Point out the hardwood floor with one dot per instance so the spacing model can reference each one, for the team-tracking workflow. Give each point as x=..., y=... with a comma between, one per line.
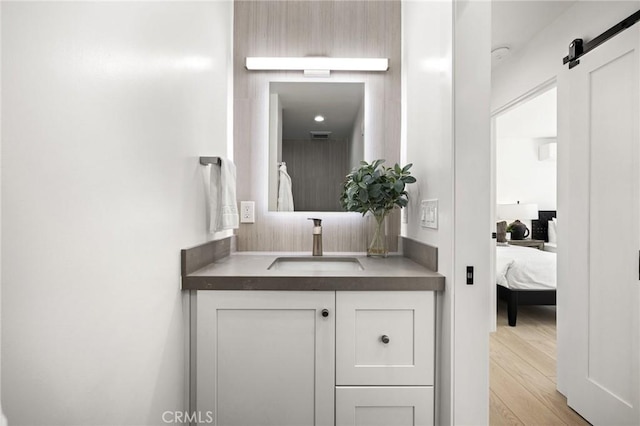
x=523, y=371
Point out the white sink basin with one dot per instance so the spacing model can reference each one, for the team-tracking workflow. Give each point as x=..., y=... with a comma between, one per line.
x=316, y=264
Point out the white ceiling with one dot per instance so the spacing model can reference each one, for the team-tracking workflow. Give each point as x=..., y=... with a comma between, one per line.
x=515, y=22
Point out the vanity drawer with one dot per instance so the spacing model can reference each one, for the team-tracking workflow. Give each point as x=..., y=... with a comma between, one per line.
x=384, y=406
x=385, y=338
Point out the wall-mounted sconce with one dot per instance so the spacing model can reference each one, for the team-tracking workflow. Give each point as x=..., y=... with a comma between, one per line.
x=316, y=65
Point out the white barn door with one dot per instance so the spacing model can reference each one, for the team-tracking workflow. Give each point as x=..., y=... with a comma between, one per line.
x=603, y=233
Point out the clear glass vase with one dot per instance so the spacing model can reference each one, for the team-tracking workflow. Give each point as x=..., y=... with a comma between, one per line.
x=378, y=245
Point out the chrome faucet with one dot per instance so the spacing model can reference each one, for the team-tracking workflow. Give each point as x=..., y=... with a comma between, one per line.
x=317, y=236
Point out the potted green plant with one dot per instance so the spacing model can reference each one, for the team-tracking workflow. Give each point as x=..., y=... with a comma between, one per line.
x=377, y=189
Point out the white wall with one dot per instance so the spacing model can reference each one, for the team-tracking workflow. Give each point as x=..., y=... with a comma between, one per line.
x=539, y=62
x=521, y=176
x=427, y=118
x=427, y=143
x=446, y=134
x=520, y=132
x=472, y=230
x=106, y=108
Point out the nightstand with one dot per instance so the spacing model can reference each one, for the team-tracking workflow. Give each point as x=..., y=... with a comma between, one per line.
x=539, y=244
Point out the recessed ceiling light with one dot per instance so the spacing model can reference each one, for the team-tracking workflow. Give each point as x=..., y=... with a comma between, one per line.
x=319, y=118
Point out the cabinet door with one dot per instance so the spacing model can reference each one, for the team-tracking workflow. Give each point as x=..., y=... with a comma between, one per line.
x=384, y=406
x=385, y=338
x=265, y=358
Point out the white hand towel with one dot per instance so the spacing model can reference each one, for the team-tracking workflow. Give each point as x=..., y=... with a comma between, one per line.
x=213, y=189
x=230, y=218
x=223, y=207
x=285, y=196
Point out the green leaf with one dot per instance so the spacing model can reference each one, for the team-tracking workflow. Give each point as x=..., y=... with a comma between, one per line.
x=375, y=188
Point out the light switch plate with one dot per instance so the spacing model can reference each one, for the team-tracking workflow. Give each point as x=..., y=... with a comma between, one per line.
x=247, y=211
x=429, y=214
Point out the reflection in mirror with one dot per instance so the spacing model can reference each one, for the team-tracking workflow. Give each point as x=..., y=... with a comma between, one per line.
x=317, y=131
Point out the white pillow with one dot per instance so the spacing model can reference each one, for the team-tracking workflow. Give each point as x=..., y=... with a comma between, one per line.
x=551, y=231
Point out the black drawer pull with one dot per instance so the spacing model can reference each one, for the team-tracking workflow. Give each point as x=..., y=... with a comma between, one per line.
x=385, y=339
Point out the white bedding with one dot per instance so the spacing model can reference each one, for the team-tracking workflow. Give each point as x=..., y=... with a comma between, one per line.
x=525, y=268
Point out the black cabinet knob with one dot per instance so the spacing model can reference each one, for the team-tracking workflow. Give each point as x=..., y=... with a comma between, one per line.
x=325, y=313
x=385, y=339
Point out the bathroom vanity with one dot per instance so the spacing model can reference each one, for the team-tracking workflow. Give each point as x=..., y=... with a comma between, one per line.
x=279, y=340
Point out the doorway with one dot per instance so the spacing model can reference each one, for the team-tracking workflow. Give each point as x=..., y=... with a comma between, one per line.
x=597, y=297
x=524, y=170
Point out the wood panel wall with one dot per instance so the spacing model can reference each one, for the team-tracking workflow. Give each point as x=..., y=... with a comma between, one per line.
x=318, y=28
x=317, y=170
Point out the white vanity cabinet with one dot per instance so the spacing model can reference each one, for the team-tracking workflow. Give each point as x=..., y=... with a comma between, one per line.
x=286, y=357
x=385, y=349
x=265, y=357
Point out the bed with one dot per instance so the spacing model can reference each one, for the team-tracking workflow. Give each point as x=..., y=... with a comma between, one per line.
x=525, y=275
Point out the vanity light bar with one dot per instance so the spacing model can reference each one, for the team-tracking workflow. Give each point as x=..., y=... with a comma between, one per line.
x=317, y=63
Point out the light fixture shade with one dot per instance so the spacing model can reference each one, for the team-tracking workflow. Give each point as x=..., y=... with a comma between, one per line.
x=316, y=63
x=517, y=211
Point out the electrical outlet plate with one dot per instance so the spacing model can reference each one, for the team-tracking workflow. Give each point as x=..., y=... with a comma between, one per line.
x=247, y=212
x=429, y=214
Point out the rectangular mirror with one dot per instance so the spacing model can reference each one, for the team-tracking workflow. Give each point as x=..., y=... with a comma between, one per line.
x=316, y=136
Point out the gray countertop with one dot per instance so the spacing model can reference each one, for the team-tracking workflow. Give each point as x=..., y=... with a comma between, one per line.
x=249, y=271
